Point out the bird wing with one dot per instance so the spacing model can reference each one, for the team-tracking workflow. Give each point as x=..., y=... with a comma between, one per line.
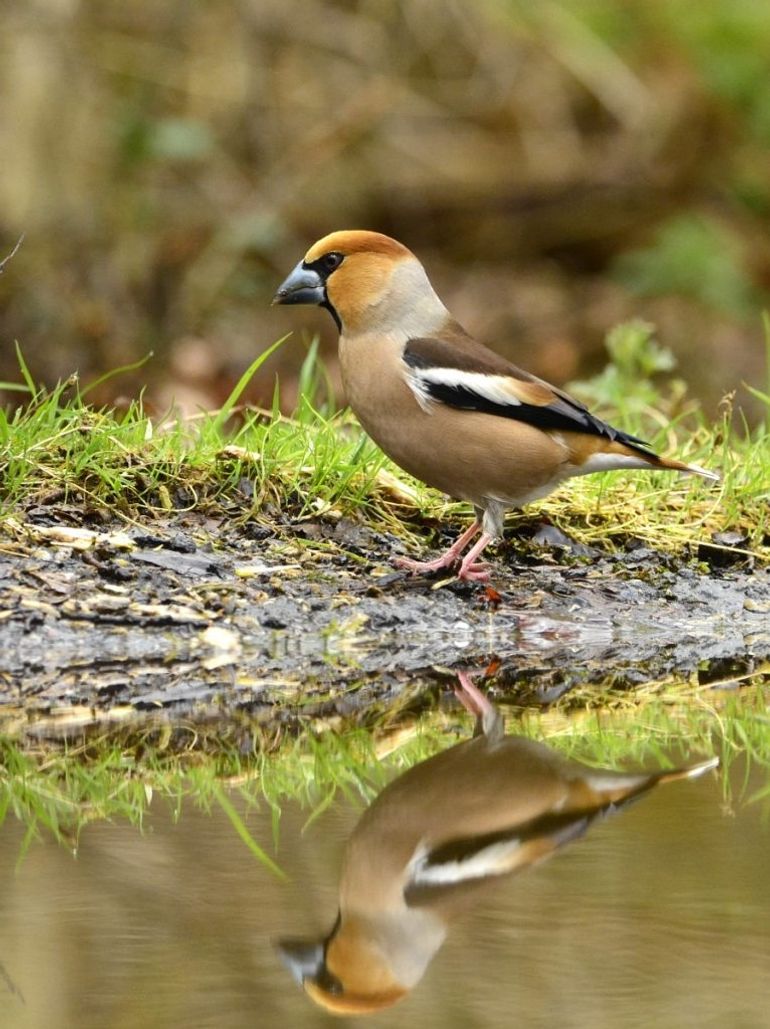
x=463, y=861
x=462, y=373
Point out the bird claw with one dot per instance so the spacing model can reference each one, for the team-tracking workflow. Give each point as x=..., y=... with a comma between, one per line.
x=477, y=571
x=423, y=567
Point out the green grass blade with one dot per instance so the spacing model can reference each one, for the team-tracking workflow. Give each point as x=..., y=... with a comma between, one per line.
x=225, y=411
x=240, y=827
x=115, y=372
x=25, y=371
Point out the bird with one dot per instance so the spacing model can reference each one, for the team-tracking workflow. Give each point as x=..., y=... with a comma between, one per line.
x=439, y=835
x=441, y=405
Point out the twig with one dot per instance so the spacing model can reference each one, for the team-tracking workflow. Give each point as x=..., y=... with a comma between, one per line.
x=13, y=253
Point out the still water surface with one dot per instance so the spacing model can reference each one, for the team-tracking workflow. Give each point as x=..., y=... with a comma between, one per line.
x=658, y=917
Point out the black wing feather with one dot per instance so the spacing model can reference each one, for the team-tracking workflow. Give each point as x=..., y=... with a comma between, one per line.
x=565, y=414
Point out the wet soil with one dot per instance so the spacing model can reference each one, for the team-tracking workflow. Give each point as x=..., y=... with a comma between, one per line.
x=200, y=615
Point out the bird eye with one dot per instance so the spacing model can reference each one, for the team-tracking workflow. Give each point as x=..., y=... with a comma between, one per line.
x=330, y=984
x=332, y=261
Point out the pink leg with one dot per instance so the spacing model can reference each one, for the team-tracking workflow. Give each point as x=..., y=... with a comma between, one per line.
x=471, y=568
x=470, y=696
x=489, y=721
x=447, y=560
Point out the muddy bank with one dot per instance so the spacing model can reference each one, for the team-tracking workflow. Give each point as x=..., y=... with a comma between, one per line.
x=194, y=615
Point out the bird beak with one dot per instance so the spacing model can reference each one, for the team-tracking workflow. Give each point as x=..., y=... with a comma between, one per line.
x=303, y=286
x=304, y=960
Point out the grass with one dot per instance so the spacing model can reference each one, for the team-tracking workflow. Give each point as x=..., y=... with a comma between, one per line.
x=59, y=790
x=56, y=448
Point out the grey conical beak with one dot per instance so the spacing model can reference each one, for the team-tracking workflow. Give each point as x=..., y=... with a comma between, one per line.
x=304, y=959
x=303, y=286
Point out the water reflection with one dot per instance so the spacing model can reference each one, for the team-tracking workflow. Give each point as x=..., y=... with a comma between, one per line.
x=437, y=836
x=658, y=918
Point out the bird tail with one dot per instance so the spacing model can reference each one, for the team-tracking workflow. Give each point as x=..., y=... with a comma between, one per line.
x=620, y=788
x=636, y=451
x=688, y=771
x=597, y=454
x=680, y=466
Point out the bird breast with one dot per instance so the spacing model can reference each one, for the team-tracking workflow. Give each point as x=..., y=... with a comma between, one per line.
x=466, y=454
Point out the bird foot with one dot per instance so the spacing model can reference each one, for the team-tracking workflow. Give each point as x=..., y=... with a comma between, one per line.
x=474, y=571
x=471, y=571
x=425, y=567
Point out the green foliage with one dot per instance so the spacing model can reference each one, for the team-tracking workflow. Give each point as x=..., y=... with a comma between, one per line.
x=59, y=791
x=728, y=42
x=764, y=397
x=696, y=257
x=627, y=382
x=226, y=410
x=631, y=391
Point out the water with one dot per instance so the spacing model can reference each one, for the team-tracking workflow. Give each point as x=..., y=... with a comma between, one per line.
x=659, y=916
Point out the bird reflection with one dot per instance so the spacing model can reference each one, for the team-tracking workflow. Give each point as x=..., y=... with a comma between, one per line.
x=437, y=836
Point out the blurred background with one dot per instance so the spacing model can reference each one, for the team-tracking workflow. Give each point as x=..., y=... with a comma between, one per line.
x=558, y=166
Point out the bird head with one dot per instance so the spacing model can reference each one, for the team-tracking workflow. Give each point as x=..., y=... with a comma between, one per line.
x=367, y=281
x=348, y=973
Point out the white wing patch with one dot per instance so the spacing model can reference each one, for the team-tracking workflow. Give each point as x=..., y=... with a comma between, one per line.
x=495, y=388
x=495, y=859
x=420, y=390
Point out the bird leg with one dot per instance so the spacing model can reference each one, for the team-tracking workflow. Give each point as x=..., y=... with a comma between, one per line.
x=447, y=559
x=470, y=696
x=489, y=721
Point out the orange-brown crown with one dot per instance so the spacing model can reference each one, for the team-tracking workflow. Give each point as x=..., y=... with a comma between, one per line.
x=359, y=287
x=357, y=241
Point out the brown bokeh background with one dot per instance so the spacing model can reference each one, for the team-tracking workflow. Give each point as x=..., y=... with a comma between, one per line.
x=559, y=167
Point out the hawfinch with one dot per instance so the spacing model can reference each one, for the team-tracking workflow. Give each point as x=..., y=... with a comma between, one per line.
x=434, y=838
x=441, y=405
